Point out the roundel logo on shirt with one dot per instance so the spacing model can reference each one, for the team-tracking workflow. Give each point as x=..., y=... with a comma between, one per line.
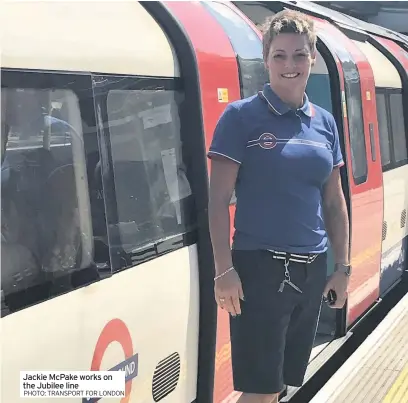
x=267, y=141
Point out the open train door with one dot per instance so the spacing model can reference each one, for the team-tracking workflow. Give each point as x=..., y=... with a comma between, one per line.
x=361, y=150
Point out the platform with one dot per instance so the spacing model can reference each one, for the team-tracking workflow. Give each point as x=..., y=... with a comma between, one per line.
x=377, y=372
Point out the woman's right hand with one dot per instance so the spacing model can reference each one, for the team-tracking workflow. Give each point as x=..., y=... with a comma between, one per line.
x=228, y=292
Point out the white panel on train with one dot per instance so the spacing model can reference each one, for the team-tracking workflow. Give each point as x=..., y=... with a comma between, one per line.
x=119, y=38
x=385, y=74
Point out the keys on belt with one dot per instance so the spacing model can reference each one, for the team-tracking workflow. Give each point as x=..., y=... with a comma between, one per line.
x=291, y=257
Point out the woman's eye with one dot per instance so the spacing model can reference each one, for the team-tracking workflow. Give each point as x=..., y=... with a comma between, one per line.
x=278, y=56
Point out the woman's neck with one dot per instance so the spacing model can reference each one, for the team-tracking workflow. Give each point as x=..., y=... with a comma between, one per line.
x=294, y=100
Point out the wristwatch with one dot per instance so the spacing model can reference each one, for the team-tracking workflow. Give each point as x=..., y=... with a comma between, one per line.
x=345, y=268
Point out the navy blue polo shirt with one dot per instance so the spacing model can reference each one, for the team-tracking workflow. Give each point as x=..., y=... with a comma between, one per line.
x=285, y=158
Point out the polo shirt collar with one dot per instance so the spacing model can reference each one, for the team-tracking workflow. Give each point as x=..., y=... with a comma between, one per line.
x=277, y=106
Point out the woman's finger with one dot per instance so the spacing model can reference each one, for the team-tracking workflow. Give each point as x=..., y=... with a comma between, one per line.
x=220, y=302
x=241, y=293
x=229, y=306
x=236, y=304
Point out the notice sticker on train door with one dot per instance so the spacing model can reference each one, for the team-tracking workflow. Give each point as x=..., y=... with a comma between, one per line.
x=222, y=94
x=368, y=95
x=158, y=115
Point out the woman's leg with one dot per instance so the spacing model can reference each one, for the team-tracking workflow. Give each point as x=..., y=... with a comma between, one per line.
x=258, y=334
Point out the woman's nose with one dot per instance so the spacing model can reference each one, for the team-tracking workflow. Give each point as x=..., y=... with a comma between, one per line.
x=290, y=63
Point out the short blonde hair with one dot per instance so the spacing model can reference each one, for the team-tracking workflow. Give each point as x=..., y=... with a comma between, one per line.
x=287, y=21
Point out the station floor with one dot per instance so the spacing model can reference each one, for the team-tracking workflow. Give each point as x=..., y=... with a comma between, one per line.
x=377, y=372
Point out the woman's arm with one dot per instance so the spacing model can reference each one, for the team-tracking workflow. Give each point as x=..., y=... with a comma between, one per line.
x=337, y=226
x=336, y=217
x=228, y=287
x=222, y=183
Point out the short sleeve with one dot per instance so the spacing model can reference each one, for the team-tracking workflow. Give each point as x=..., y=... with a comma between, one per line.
x=229, y=139
x=337, y=154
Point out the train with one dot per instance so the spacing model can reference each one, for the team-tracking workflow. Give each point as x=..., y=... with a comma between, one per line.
x=107, y=113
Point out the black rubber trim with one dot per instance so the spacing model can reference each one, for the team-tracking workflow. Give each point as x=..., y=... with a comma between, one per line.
x=194, y=125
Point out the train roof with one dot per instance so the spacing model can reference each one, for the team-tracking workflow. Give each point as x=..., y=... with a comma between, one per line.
x=80, y=37
x=385, y=73
x=340, y=19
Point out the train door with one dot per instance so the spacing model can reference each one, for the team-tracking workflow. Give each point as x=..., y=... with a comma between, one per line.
x=361, y=148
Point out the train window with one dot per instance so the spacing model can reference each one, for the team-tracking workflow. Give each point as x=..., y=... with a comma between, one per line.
x=352, y=99
x=385, y=145
x=247, y=46
x=356, y=123
x=46, y=230
x=153, y=194
x=398, y=128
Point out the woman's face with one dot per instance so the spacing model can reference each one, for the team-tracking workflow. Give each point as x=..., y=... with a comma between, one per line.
x=289, y=62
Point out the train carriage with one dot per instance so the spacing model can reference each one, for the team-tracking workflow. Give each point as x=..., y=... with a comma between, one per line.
x=106, y=255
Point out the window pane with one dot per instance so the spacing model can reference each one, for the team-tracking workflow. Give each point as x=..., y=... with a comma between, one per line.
x=398, y=129
x=154, y=198
x=247, y=46
x=383, y=130
x=356, y=124
x=46, y=231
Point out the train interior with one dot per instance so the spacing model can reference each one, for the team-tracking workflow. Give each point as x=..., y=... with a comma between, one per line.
x=45, y=206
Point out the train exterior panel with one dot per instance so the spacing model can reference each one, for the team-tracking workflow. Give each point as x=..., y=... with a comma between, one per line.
x=106, y=139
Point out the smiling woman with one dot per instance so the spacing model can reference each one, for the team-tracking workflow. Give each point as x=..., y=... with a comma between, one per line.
x=289, y=47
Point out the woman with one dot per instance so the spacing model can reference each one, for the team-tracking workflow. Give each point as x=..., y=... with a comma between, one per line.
x=282, y=156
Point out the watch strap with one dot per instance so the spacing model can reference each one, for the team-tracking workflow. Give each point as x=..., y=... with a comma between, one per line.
x=345, y=268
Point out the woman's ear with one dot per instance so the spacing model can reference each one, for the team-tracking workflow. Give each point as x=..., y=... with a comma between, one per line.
x=313, y=58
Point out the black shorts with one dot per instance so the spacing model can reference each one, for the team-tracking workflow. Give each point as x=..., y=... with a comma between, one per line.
x=272, y=339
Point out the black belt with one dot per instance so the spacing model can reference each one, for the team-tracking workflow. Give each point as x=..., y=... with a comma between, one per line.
x=294, y=257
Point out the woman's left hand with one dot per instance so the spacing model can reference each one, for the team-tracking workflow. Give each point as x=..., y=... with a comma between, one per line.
x=338, y=282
